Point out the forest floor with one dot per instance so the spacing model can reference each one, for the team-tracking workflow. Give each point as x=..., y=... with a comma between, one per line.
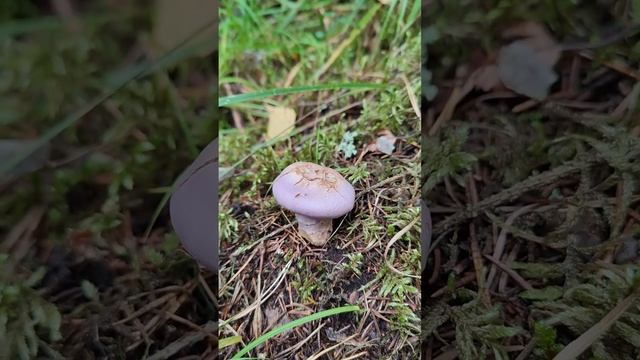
x=270, y=275
x=91, y=265
x=531, y=176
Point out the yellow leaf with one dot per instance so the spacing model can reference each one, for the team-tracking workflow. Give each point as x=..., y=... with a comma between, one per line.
x=175, y=21
x=281, y=121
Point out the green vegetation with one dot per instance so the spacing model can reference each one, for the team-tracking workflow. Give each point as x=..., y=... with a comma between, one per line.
x=27, y=321
x=546, y=190
x=325, y=51
x=118, y=121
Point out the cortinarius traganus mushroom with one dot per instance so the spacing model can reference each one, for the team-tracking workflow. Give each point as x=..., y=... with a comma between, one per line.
x=316, y=194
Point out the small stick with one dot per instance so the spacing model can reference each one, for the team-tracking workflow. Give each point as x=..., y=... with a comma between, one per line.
x=519, y=279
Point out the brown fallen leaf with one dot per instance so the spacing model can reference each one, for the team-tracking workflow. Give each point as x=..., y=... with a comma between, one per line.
x=487, y=77
x=523, y=73
x=175, y=21
x=272, y=315
x=353, y=297
x=281, y=121
x=537, y=37
x=526, y=65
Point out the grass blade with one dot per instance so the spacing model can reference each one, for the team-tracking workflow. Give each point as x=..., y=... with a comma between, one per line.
x=235, y=99
x=360, y=26
x=250, y=346
x=228, y=341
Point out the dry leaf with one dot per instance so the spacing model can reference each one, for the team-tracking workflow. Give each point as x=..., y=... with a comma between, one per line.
x=487, y=77
x=281, y=121
x=272, y=315
x=526, y=65
x=175, y=21
x=536, y=36
x=521, y=71
x=353, y=297
x=386, y=143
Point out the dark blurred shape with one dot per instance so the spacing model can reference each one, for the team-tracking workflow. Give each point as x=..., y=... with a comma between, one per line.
x=85, y=195
x=194, y=207
x=425, y=235
x=238, y=210
x=64, y=271
x=628, y=250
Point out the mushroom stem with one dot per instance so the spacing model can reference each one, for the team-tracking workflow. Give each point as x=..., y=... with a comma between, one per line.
x=317, y=231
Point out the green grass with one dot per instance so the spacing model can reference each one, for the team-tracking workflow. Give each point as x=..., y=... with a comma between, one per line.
x=235, y=99
x=290, y=325
x=24, y=315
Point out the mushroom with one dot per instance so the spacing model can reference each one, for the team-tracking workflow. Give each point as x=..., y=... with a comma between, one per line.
x=194, y=207
x=316, y=194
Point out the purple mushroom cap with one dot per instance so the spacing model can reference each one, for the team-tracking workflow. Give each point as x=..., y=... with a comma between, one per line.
x=194, y=207
x=314, y=191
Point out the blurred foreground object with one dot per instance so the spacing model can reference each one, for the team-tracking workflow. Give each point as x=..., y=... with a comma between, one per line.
x=426, y=233
x=194, y=207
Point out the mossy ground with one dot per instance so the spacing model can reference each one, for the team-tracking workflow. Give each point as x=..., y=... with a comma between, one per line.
x=534, y=207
